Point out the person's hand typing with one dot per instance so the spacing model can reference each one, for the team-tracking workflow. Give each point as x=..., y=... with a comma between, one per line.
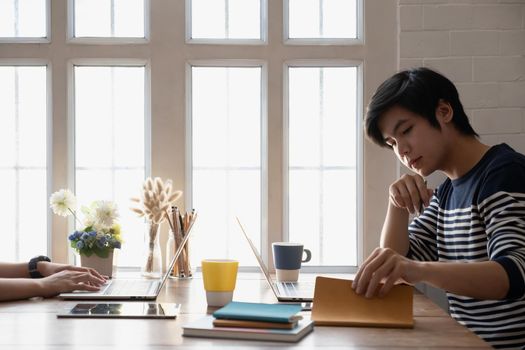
x=68, y=281
x=48, y=268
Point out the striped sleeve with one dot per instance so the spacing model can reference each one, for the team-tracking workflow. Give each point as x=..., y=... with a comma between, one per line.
x=504, y=217
x=422, y=234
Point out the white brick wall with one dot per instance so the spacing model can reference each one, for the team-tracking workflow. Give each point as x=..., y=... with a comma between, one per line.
x=480, y=46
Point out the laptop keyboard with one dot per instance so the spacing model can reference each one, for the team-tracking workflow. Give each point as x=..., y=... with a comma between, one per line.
x=294, y=288
x=129, y=287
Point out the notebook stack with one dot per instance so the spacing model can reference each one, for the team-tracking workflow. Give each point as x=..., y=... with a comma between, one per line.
x=239, y=320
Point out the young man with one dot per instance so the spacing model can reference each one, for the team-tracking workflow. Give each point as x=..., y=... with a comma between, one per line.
x=469, y=235
x=42, y=278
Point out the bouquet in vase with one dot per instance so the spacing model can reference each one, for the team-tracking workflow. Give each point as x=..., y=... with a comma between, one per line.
x=99, y=233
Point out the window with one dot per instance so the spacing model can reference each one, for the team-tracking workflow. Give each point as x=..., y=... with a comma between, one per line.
x=23, y=161
x=21, y=20
x=110, y=145
x=108, y=18
x=221, y=21
x=231, y=107
x=226, y=119
x=322, y=158
x=322, y=21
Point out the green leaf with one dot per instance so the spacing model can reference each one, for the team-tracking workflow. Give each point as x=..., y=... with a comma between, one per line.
x=101, y=252
x=86, y=252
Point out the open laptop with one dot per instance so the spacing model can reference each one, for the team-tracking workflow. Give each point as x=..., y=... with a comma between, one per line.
x=284, y=291
x=130, y=289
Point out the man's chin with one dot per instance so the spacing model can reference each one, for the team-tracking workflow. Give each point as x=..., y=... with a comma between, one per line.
x=422, y=172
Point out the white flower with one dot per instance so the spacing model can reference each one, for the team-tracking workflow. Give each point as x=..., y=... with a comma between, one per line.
x=63, y=202
x=89, y=218
x=104, y=214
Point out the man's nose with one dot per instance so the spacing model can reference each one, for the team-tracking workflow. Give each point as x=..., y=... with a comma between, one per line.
x=403, y=148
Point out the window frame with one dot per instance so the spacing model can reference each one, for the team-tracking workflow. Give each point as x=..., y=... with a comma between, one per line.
x=358, y=64
x=39, y=62
x=263, y=250
x=33, y=40
x=72, y=39
x=198, y=41
x=169, y=54
x=71, y=161
x=360, y=35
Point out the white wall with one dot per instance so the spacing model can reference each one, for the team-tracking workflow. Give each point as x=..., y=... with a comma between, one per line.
x=480, y=46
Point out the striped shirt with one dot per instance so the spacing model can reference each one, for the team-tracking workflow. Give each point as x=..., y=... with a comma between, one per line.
x=481, y=217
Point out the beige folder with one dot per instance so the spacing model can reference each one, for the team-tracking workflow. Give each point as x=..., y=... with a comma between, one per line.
x=336, y=304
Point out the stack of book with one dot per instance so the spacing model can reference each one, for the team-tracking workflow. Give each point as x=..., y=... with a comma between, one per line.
x=258, y=321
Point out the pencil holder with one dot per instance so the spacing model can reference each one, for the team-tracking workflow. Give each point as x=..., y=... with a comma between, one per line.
x=182, y=224
x=182, y=267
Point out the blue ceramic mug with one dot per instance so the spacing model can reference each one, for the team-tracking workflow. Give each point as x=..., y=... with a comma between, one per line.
x=287, y=259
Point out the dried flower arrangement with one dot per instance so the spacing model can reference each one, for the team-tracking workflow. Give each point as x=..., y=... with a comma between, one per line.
x=155, y=204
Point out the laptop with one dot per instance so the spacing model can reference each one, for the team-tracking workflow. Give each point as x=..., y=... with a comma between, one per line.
x=284, y=291
x=129, y=289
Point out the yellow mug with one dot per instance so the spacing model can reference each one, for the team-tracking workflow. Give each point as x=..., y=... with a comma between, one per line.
x=219, y=276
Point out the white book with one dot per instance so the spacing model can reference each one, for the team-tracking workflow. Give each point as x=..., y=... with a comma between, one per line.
x=204, y=328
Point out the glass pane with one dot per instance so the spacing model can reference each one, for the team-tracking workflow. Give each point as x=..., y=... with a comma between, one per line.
x=322, y=162
x=23, y=161
x=109, y=18
x=304, y=101
x=32, y=116
x=305, y=219
x=8, y=121
x=226, y=19
x=109, y=145
x=322, y=19
x=23, y=18
x=226, y=176
x=339, y=239
x=32, y=210
x=9, y=209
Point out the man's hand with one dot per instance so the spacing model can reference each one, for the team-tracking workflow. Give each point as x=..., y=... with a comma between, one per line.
x=387, y=266
x=48, y=268
x=410, y=192
x=68, y=281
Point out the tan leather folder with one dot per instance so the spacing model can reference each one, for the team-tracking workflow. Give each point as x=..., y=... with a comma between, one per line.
x=336, y=304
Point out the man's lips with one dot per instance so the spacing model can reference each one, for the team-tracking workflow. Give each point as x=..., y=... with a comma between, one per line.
x=413, y=162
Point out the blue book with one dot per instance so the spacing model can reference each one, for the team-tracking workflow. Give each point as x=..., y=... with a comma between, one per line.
x=282, y=313
x=204, y=328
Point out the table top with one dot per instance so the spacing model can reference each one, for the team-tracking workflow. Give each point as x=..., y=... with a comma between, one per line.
x=33, y=324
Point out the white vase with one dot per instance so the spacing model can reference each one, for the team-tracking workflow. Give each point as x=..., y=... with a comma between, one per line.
x=104, y=266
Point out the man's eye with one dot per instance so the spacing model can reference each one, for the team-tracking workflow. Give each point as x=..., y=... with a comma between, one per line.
x=407, y=130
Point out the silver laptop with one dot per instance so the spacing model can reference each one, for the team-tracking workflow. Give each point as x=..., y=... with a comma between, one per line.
x=130, y=289
x=284, y=291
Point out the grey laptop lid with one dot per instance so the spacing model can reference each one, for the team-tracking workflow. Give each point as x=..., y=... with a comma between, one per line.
x=132, y=289
x=297, y=292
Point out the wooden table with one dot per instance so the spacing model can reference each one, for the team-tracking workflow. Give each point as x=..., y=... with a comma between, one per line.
x=32, y=324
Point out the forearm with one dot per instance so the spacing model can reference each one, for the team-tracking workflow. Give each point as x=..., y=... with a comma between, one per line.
x=480, y=280
x=394, y=234
x=20, y=288
x=14, y=270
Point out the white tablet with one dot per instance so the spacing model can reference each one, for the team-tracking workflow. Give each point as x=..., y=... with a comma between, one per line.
x=122, y=310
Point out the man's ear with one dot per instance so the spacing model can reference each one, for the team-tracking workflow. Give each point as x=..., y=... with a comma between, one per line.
x=444, y=112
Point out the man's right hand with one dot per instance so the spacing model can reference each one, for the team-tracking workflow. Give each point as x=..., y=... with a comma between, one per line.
x=410, y=192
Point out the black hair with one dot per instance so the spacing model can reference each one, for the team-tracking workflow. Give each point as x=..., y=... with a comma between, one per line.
x=418, y=90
